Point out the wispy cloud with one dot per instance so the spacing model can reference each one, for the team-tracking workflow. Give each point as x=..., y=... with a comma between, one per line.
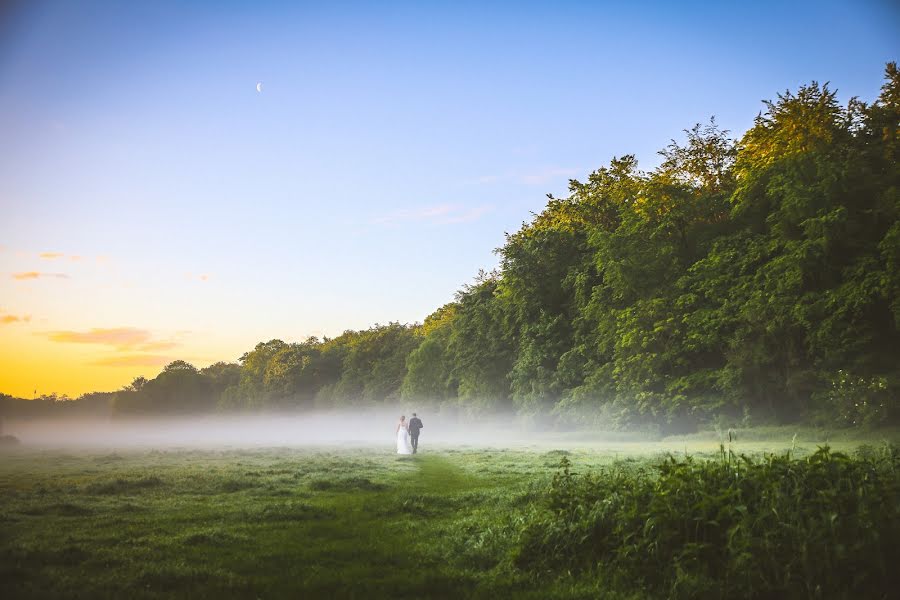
x=120, y=337
x=131, y=346
x=473, y=214
x=26, y=275
x=442, y=214
x=133, y=360
x=58, y=255
x=9, y=319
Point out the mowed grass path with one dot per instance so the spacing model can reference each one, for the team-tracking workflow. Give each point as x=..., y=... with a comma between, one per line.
x=351, y=523
x=382, y=542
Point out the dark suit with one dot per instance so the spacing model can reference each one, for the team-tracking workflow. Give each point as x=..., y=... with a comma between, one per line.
x=415, y=425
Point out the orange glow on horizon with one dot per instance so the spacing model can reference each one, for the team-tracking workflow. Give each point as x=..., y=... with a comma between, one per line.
x=34, y=364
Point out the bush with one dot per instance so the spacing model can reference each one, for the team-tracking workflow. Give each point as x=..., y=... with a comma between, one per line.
x=827, y=526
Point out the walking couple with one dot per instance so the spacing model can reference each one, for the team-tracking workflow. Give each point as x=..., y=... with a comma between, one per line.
x=408, y=434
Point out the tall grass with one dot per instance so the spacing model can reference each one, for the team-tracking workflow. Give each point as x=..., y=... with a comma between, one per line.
x=826, y=526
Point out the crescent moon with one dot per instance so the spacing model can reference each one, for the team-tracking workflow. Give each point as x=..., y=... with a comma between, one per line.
x=259, y=87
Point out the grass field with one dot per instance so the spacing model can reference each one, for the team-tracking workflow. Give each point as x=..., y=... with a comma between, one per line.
x=348, y=522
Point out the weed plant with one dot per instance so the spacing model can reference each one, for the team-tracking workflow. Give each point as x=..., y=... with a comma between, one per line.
x=825, y=526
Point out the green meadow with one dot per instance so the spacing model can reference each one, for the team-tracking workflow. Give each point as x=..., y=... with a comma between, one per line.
x=565, y=517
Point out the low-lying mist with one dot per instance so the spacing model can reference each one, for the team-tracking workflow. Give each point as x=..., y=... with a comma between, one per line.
x=367, y=427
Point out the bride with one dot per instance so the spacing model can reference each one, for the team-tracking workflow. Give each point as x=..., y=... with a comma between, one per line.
x=403, y=446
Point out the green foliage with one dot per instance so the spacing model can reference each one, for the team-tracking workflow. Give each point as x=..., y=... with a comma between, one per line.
x=358, y=367
x=480, y=347
x=373, y=365
x=179, y=389
x=737, y=277
x=429, y=367
x=737, y=527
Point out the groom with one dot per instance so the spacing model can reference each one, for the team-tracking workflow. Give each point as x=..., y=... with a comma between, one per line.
x=415, y=425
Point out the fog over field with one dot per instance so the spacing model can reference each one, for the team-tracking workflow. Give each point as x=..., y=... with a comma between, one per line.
x=368, y=427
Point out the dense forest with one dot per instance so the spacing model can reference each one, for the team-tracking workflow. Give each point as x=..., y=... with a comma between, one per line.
x=755, y=280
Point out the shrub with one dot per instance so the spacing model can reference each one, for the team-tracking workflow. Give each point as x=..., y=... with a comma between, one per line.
x=776, y=527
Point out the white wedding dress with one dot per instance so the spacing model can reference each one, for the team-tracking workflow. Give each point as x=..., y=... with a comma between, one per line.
x=403, y=445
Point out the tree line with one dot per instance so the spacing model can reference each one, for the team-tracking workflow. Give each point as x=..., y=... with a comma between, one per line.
x=752, y=279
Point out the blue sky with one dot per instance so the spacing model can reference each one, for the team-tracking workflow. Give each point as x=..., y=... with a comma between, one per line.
x=390, y=148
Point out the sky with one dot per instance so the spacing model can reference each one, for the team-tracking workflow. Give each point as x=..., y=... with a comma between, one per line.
x=155, y=206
